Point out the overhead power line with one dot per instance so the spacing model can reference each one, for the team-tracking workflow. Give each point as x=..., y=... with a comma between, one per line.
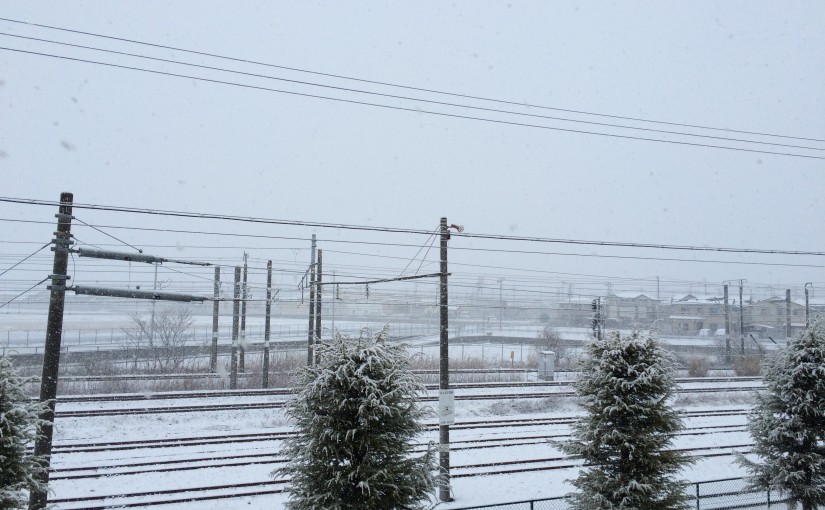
x=396, y=85
x=408, y=109
x=347, y=226
x=407, y=98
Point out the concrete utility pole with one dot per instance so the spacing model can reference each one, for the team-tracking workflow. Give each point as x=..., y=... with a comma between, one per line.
x=152, y=323
x=741, y=321
x=318, y=277
x=807, y=306
x=727, y=327
x=236, y=305
x=500, y=304
x=444, y=371
x=242, y=350
x=265, y=375
x=334, y=299
x=51, y=352
x=311, y=328
x=657, y=299
x=787, y=313
x=213, y=359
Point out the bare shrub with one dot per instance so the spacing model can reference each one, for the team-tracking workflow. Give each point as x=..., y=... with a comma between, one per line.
x=97, y=363
x=160, y=340
x=749, y=364
x=550, y=340
x=697, y=367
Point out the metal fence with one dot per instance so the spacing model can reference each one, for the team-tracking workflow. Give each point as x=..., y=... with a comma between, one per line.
x=725, y=494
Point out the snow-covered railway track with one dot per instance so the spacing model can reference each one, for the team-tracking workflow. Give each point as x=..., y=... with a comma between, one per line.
x=278, y=404
x=193, y=494
x=185, y=495
x=274, y=458
x=562, y=462
x=288, y=391
x=271, y=456
x=64, y=448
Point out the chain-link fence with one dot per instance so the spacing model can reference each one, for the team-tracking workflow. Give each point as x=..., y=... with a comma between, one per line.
x=726, y=494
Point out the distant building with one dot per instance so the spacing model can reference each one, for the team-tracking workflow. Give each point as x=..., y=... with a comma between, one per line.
x=576, y=312
x=689, y=314
x=629, y=308
x=770, y=315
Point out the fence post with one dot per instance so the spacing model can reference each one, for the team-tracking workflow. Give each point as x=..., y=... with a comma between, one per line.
x=769, y=496
x=697, y=496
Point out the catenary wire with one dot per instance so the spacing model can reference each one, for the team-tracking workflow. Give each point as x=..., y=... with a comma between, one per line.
x=473, y=249
x=345, y=226
x=261, y=270
x=407, y=87
x=407, y=98
x=408, y=109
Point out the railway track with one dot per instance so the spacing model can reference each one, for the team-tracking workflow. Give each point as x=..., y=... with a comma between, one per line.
x=266, y=487
x=61, y=448
x=278, y=404
x=273, y=457
x=289, y=391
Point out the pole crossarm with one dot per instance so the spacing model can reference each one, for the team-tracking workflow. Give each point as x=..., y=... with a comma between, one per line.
x=132, y=257
x=136, y=294
x=400, y=278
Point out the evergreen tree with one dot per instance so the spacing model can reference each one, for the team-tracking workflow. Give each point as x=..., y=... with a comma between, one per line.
x=788, y=422
x=357, y=417
x=626, y=433
x=19, y=421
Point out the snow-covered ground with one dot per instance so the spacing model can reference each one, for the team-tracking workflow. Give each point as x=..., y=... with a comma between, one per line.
x=222, y=425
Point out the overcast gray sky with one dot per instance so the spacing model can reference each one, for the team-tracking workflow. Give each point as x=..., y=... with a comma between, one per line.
x=122, y=137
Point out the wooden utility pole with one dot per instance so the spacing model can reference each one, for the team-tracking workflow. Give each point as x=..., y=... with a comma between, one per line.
x=265, y=375
x=444, y=370
x=242, y=350
x=318, y=277
x=236, y=305
x=213, y=359
x=311, y=328
x=51, y=352
x=727, y=327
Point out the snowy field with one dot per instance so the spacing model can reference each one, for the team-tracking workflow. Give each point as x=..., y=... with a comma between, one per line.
x=92, y=476
x=24, y=333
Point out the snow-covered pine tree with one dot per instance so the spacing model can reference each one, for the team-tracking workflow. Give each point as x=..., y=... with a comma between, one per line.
x=19, y=420
x=626, y=433
x=788, y=422
x=357, y=417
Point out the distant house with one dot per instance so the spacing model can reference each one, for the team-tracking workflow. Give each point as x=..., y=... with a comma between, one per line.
x=629, y=308
x=576, y=311
x=771, y=315
x=689, y=314
x=816, y=307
